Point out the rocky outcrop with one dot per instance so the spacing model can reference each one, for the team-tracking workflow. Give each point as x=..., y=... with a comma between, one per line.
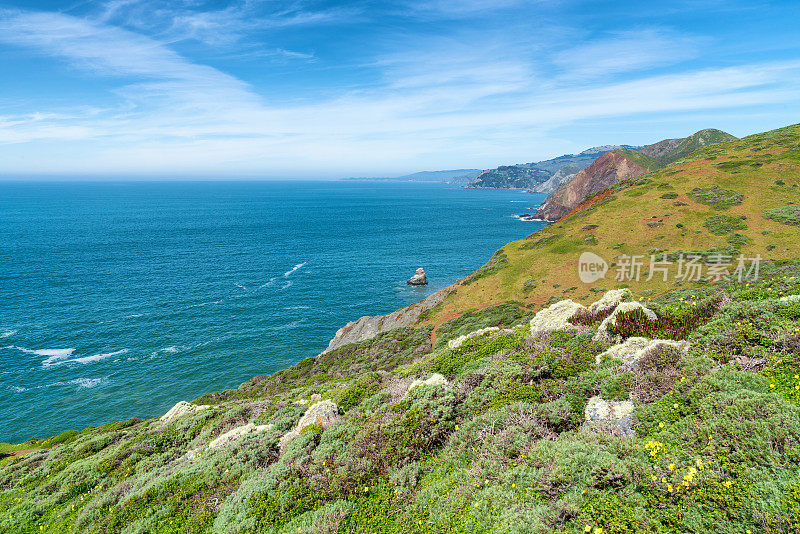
x=434, y=380
x=455, y=343
x=620, y=164
x=604, y=172
x=556, y=317
x=610, y=300
x=323, y=413
x=223, y=440
x=636, y=348
x=181, y=409
x=369, y=327
x=614, y=417
x=603, y=333
x=419, y=279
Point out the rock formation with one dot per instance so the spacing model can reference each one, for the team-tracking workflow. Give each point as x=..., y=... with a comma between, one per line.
x=368, y=327
x=323, y=413
x=636, y=348
x=232, y=435
x=610, y=416
x=604, y=172
x=603, y=333
x=181, y=409
x=556, y=317
x=419, y=279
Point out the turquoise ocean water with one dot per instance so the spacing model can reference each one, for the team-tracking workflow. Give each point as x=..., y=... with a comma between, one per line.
x=119, y=299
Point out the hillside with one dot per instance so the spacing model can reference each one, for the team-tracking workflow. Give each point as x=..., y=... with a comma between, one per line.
x=620, y=164
x=509, y=177
x=665, y=406
x=541, y=175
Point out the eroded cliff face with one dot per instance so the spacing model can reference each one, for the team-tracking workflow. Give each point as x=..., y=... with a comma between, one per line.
x=368, y=327
x=604, y=172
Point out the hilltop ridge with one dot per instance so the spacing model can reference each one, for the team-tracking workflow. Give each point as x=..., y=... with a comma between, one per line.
x=620, y=164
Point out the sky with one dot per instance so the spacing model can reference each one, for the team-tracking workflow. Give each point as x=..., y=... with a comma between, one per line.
x=301, y=89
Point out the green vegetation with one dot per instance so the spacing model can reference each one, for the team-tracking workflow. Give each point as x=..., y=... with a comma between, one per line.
x=786, y=215
x=724, y=224
x=716, y=197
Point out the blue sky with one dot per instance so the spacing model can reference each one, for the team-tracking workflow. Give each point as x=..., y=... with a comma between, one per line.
x=296, y=89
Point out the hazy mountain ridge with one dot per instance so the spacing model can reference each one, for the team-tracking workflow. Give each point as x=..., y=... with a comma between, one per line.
x=532, y=175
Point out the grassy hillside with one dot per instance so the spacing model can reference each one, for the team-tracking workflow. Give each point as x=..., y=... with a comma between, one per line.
x=498, y=439
x=656, y=213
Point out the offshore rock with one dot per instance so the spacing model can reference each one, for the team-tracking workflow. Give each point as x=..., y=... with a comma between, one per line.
x=419, y=279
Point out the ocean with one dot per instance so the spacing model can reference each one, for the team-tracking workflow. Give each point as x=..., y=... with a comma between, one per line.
x=119, y=299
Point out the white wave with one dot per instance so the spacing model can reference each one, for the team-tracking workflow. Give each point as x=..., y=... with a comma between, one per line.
x=172, y=349
x=80, y=382
x=52, y=355
x=268, y=283
x=87, y=382
x=289, y=326
x=95, y=357
x=18, y=389
x=287, y=285
x=8, y=333
x=240, y=286
x=293, y=269
x=297, y=308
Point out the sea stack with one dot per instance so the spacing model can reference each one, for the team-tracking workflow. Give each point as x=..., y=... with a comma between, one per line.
x=418, y=279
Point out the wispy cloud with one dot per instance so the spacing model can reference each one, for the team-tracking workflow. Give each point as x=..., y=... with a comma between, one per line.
x=472, y=99
x=626, y=51
x=227, y=26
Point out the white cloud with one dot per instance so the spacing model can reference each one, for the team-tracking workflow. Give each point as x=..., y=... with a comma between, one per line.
x=445, y=103
x=626, y=51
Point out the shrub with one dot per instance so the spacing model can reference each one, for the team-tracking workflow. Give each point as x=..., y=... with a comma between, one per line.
x=716, y=197
x=785, y=214
x=724, y=224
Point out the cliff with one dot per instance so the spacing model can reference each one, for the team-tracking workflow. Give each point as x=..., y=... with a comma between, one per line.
x=604, y=172
x=623, y=163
